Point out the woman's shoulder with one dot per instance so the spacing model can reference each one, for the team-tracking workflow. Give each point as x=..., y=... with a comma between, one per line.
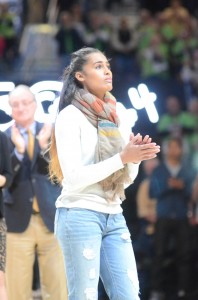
x=69, y=111
x=70, y=115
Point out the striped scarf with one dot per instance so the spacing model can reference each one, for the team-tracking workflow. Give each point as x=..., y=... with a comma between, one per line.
x=102, y=115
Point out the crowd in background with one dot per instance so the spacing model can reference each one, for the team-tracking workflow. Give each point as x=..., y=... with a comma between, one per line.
x=160, y=40
x=163, y=45
x=143, y=44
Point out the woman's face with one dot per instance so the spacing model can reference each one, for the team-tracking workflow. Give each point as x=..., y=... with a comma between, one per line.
x=96, y=76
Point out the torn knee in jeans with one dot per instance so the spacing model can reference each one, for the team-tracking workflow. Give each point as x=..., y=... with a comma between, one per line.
x=126, y=236
x=91, y=294
x=92, y=273
x=89, y=253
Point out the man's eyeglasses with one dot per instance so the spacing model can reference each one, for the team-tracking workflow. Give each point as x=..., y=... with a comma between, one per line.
x=16, y=105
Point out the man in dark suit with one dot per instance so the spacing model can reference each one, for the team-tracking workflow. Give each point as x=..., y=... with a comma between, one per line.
x=30, y=206
x=5, y=181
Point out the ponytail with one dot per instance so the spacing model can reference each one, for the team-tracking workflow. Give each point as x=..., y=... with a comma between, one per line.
x=67, y=94
x=68, y=89
x=70, y=85
x=55, y=172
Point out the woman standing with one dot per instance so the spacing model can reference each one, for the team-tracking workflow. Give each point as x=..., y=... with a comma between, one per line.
x=95, y=160
x=5, y=180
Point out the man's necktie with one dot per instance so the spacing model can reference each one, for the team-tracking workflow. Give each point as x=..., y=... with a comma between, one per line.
x=30, y=151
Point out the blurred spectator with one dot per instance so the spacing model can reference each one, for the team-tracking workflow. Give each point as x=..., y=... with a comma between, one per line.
x=30, y=206
x=77, y=12
x=193, y=110
x=165, y=29
x=68, y=38
x=5, y=181
x=146, y=29
x=174, y=24
x=177, y=16
x=146, y=207
x=8, y=34
x=180, y=50
x=146, y=212
x=36, y=11
x=189, y=74
x=154, y=58
x=176, y=122
x=171, y=184
x=97, y=32
x=123, y=43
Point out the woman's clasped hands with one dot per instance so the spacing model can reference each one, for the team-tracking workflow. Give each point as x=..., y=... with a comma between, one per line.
x=138, y=149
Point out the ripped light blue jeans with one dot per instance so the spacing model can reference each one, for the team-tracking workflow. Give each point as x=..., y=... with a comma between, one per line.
x=96, y=244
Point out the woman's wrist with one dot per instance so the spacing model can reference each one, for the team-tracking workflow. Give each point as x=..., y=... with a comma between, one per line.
x=123, y=159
